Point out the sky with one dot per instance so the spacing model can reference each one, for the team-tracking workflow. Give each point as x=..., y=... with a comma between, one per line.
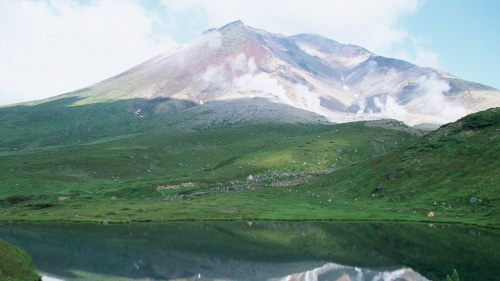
x=50, y=47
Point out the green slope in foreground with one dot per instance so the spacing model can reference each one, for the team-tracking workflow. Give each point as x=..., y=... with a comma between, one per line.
x=15, y=264
x=354, y=171
x=453, y=172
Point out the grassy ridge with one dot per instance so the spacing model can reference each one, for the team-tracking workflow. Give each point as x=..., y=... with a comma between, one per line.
x=453, y=172
x=63, y=122
x=15, y=264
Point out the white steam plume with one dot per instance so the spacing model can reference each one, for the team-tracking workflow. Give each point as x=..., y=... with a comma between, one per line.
x=435, y=101
x=362, y=106
x=390, y=108
x=308, y=100
x=211, y=73
x=263, y=85
x=240, y=74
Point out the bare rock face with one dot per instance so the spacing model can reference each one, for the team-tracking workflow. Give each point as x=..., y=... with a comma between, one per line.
x=308, y=72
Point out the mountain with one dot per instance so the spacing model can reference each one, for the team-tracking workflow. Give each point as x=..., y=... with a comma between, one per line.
x=237, y=74
x=246, y=113
x=237, y=125
x=236, y=63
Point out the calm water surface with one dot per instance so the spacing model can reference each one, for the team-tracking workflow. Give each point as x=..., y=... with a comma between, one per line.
x=259, y=251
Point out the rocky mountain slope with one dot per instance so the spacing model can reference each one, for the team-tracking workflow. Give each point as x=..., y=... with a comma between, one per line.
x=343, y=83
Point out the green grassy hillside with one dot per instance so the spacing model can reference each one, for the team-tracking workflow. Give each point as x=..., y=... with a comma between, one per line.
x=453, y=172
x=15, y=264
x=105, y=178
x=64, y=122
x=355, y=171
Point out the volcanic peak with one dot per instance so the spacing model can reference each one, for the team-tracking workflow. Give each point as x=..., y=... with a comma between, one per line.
x=341, y=82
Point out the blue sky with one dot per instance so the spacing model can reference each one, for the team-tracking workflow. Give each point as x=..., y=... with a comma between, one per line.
x=465, y=35
x=50, y=47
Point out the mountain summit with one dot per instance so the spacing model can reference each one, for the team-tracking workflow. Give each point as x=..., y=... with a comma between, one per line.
x=238, y=65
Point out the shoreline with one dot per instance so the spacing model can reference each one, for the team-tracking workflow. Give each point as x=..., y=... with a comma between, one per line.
x=7, y=223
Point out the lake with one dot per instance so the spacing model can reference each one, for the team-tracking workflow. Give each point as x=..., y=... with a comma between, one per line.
x=259, y=251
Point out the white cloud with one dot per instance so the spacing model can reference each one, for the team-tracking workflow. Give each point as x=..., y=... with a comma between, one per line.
x=415, y=52
x=371, y=24
x=374, y=25
x=52, y=48
x=425, y=57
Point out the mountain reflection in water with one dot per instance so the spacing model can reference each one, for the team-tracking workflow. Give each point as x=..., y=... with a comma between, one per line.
x=337, y=272
x=274, y=251
x=331, y=272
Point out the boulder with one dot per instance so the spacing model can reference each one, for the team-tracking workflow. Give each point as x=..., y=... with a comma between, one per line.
x=391, y=176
